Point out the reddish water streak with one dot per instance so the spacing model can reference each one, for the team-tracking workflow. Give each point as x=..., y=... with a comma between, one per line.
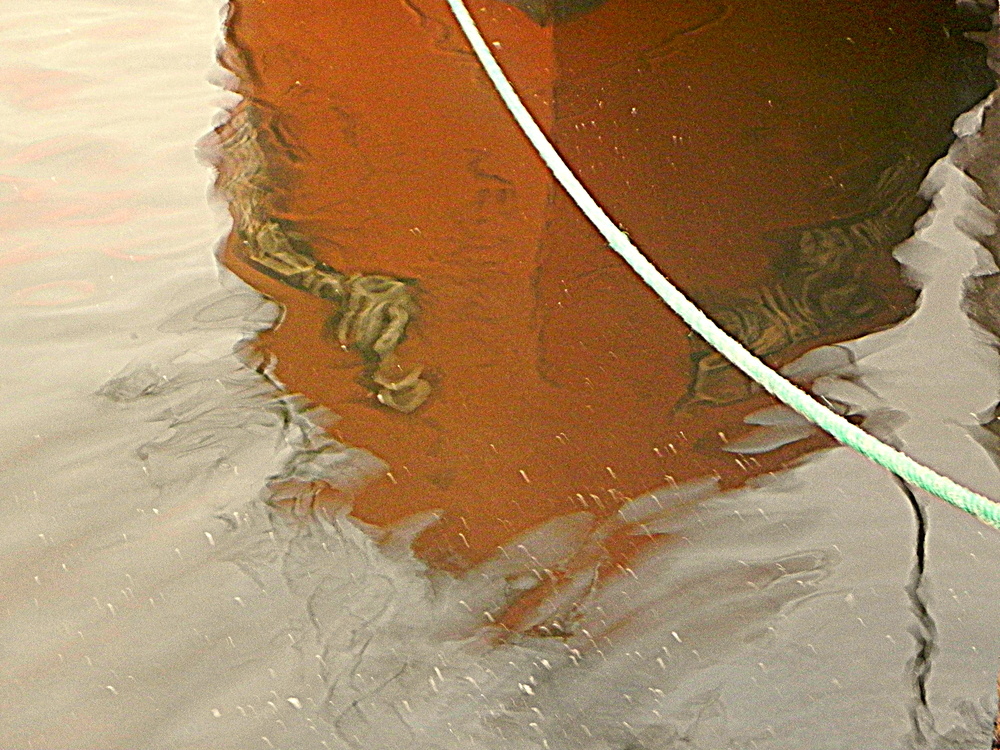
x=32, y=87
x=556, y=374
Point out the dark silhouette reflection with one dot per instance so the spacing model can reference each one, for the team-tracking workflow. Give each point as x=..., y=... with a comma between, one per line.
x=467, y=324
x=554, y=11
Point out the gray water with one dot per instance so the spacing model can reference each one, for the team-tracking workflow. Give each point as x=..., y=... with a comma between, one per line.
x=152, y=598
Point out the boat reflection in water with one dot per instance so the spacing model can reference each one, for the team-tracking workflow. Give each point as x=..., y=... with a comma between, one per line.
x=501, y=360
x=520, y=529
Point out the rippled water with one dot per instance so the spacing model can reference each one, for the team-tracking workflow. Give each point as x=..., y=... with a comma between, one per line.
x=523, y=371
x=169, y=585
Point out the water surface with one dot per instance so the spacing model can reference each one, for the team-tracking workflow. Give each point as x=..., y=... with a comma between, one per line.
x=765, y=154
x=171, y=581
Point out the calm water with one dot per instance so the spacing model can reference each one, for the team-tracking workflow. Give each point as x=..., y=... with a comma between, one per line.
x=183, y=568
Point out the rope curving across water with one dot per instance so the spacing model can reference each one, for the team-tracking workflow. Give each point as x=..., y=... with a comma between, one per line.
x=843, y=431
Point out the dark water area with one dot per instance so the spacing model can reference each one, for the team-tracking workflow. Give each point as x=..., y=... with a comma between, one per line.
x=765, y=155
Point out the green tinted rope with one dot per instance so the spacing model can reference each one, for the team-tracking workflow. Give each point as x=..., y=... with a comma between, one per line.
x=898, y=463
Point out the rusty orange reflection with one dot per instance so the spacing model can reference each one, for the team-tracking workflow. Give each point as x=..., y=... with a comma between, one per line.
x=719, y=134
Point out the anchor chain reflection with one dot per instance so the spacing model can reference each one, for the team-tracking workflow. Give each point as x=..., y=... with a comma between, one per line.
x=822, y=287
x=371, y=312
